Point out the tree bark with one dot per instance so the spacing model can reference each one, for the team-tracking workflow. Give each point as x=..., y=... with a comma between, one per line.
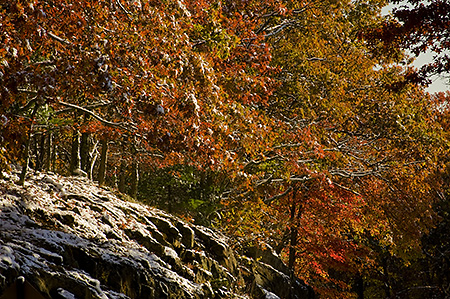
x=359, y=286
x=293, y=241
x=103, y=160
x=295, y=215
x=48, y=151
x=26, y=153
x=53, y=154
x=85, y=158
x=134, y=180
x=122, y=176
x=26, y=160
x=386, y=276
x=84, y=152
x=42, y=151
x=75, y=161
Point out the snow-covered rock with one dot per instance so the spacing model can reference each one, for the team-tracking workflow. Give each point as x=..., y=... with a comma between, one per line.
x=72, y=239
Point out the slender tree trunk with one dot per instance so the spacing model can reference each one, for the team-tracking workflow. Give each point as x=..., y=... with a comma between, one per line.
x=294, y=230
x=359, y=286
x=134, y=180
x=122, y=176
x=85, y=148
x=34, y=149
x=387, y=279
x=26, y=160
x=41, y=155
x=93, y=155
x=84, y=152
x=295, y=215
x=293, y=241
x=26, y=153
x=48, y=151
x=103, y=160
x=75, y=161
x=169, y=199
x=53, y=154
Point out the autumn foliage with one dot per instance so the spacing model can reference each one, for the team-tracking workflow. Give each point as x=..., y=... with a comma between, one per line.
x=294, y=121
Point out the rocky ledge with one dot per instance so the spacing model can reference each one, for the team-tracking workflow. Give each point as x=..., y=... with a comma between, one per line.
x=72, y=239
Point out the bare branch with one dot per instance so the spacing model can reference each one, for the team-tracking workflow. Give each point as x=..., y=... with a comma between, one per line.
x=353, y=174
x=124, y=9
x=92, y=106
x=279, y=28
x=59, y=39
x=293, y=179
x=124, y=126
x=257, y=162
x=316, y=59
x=269, y=200
x=346, y=189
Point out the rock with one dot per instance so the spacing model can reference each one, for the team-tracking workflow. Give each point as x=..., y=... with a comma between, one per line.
x=270, y=277
x=187, y=234
x=168, y=229
x=79, y=172
x=63, y=294
x=72, y=239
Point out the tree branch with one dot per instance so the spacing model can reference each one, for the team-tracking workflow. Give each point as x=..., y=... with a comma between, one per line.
x=106, y=122
x=352, y=174
x=269, y=200
x=59, y=39
x=257, y=162
x=124, y=9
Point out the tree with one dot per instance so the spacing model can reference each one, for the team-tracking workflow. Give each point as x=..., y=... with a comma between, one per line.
x=418, y=27
x=324, y=156
x=347, y=155
x=155, y=75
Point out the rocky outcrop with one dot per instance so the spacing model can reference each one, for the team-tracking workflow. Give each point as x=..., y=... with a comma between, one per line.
x=71, y=239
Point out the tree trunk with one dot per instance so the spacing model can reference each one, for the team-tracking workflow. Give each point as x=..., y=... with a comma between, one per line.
x=386, y=276
x=26, y=153
x=40, y=156
x=169, y=199
x=295, y=215
x=75, y=161
x=359, y=286
x=35, y=152
x=48, y=151
x=293, y=241
x=84, y=152
x=93, y=155
x=122, y=176
x=85, y=146
x=26, y=160
x=134, y=180
x=103, y=160
x=53, y=153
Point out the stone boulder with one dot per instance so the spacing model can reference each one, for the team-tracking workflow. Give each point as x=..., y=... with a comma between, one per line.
x=72, y=239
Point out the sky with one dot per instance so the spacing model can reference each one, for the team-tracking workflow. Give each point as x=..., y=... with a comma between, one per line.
x=439, y=83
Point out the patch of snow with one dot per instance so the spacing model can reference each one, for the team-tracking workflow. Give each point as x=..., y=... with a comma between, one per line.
x=115, y=295
x=40, y=222
x=270, y=295
x=56, y=185
x=92, y=283
x=7, y=258
x=65, y=294
x=170, y=252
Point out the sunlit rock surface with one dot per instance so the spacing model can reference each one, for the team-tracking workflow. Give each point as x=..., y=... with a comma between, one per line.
x=71, y=239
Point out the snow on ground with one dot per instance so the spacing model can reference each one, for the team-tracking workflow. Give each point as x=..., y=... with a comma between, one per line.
x=50, y=215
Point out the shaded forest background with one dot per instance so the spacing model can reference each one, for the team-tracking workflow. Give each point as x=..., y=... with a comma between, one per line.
x=298, y=125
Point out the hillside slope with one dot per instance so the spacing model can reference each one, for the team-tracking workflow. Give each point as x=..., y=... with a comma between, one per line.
x=71, y=239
